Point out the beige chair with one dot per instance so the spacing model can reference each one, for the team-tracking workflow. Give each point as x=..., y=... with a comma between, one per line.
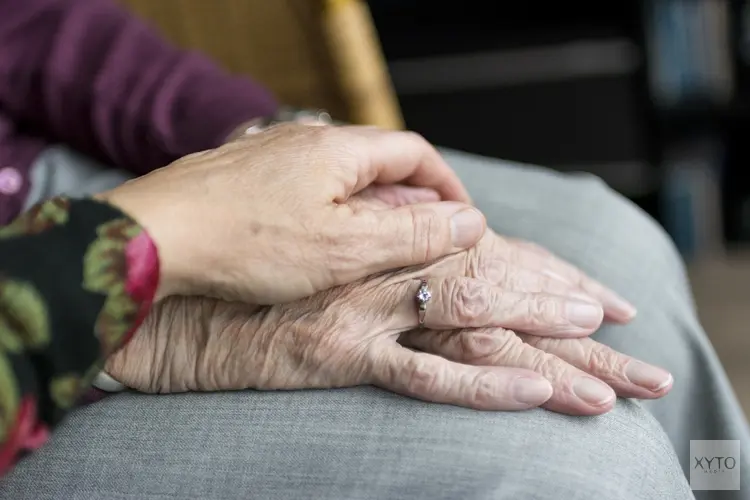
x=311, y=53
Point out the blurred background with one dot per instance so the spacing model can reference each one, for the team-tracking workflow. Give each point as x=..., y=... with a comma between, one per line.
x=653, y=96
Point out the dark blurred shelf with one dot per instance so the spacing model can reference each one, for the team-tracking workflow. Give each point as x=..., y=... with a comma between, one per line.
x=582, y=59
x=503, y=79
x=416, y=28
x=696, y=118
x=574, y=122
x=693, y=111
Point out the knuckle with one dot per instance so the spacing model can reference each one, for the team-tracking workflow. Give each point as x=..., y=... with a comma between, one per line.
x=548, y=365
x=429, y=239
x=483, y=265
x=600, y=361
x=467, y=306
x=483, y=389
x=543, y=343
x=421, y=378
x=477, y=345
x=544, y=310
x=487, y=344
x=512, y=351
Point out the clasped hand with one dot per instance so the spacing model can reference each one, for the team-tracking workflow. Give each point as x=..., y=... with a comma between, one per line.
x=507, y=329
x=264, y=219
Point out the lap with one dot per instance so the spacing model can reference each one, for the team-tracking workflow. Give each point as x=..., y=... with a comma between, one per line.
x=359, y=443
x=579, y=218
x=365, y=443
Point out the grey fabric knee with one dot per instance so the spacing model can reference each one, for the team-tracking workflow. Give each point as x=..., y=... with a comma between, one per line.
x=582, y=220
x=352, y=444
x=364, y=443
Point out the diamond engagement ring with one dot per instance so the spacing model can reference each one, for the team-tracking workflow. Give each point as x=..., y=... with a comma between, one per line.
x=423, y=297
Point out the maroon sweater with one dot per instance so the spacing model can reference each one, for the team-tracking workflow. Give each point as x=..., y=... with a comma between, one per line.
x=88, y=74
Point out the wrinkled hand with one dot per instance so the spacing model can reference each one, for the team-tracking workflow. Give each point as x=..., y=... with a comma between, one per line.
x=520, y=265
x=264, y=219
x=508, y=262
x=348, y=336
x=585, y=374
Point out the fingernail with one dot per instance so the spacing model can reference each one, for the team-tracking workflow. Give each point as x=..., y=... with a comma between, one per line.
x=584, y=314
x=624, y=309
x=592, y=391
x=467, y=226
x=531, y=391
x=647, y=376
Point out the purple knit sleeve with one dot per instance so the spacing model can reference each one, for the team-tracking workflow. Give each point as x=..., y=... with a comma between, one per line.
x=91, y=75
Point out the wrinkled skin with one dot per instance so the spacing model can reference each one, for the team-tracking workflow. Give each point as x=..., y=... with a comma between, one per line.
x=264, y=218
x=470, y=354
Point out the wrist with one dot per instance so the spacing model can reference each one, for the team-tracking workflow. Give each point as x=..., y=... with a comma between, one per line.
x=164, y=356
x=137, y=365
x=148, y=216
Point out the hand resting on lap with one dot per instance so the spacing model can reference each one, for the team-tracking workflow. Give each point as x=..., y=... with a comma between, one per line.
x=469, y=354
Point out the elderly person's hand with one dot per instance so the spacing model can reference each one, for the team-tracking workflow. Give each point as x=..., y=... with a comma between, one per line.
x=264, y=219
x=348, y=336
x=520, y=264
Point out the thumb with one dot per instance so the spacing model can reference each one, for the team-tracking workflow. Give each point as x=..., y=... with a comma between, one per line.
x=397, y=195
x=417, y=234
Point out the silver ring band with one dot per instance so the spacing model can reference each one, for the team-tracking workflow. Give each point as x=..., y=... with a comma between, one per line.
x=423, y=296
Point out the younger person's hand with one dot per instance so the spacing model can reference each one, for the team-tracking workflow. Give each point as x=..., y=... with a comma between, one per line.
x=265, y=219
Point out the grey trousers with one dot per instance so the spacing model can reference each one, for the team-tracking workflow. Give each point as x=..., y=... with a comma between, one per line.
x=364, y=443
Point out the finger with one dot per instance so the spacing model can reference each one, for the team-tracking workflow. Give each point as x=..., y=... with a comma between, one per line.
x=411, y=235
x=392, y=157
x=629, y=377
x=395, y=195
x=511, y=277
x=537, y=258
x=432, y=378
x=472, y=303
x=574, y=391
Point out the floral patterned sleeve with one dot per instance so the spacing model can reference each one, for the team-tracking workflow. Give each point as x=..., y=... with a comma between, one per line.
x=77, y=277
